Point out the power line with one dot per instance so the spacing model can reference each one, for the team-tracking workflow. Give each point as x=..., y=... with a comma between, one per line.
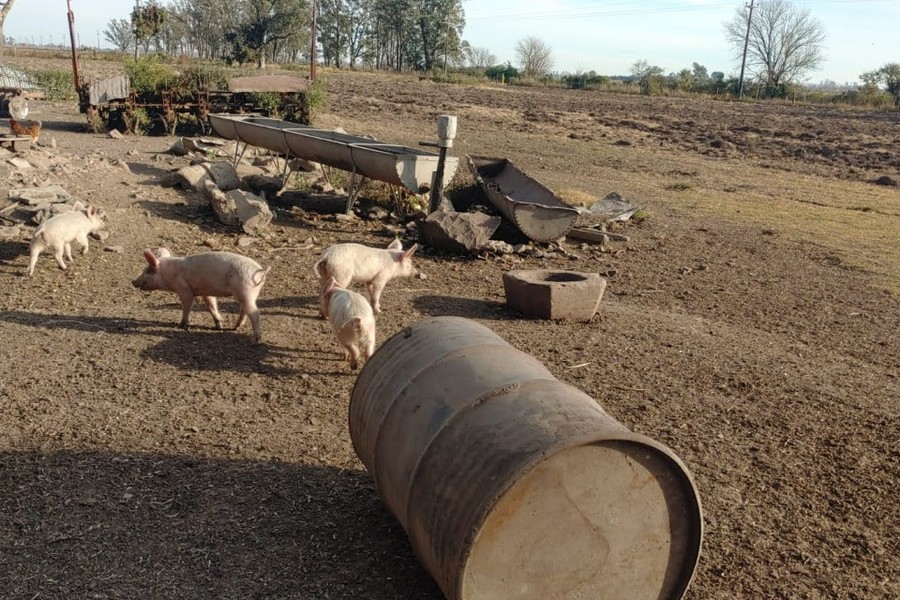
x=581, y=13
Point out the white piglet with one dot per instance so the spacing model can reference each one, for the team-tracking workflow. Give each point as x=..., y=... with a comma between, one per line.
x=356, y=263
x=352, y=321
x=58, y=233
x=206, y=275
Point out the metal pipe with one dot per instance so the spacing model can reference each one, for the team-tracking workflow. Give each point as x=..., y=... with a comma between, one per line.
x=446, y=133
x=71, y=16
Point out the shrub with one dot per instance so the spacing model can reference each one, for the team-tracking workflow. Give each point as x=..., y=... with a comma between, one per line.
x=317, y=96
x=149, y=74
x=58, y=84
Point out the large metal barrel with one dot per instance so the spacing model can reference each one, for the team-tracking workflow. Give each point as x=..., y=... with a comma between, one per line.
x=512, y=484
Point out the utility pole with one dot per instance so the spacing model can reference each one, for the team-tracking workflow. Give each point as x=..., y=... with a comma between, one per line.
x=75, y=75
x=746, y=43
x=135, y=13
x=312, y=45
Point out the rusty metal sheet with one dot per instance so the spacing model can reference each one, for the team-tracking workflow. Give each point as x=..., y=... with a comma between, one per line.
x=106, y=90
x=268, y=83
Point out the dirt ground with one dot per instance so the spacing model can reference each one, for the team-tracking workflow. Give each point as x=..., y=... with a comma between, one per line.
x=750, y=324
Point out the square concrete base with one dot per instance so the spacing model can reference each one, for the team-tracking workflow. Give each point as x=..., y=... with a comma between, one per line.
x=551, y=294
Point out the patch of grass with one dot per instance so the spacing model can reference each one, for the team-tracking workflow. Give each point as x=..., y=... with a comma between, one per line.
x=640, y=216
x=576, y=197
x=678, y=186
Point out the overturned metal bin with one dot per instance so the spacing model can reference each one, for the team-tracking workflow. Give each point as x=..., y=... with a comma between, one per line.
x=512, y=484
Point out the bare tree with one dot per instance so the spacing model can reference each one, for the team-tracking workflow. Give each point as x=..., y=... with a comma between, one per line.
x=480, y=57
x=785, y=42
x=119, y=33
x=535, y=57
x=5, y=7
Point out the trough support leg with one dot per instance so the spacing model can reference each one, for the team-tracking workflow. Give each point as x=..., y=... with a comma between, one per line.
x=238, y=155
x=437, y=190
x=286, y=172
x=353, y=189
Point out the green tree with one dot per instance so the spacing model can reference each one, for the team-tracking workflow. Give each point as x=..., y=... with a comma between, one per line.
x=682, y=80
x=889, y=76
x=648, y=77
x=440, y=24
x=785, y=42
x=265, y=23
x=146, y=23
x=343, y=28
x=701, y=77
x=535, y=57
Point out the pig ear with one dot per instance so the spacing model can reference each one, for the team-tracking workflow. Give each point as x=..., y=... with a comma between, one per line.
x=78, y=205
x=395, y=245
x=151, y=259
x=163, y=252
x=91, y=210
x=410, y=252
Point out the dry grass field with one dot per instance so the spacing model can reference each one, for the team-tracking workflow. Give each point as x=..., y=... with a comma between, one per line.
x=750, y=324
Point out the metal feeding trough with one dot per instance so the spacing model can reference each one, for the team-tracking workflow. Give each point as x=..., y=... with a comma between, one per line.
x=411, y=168
x=549, y=294
x=537, y=212
x=512, y=484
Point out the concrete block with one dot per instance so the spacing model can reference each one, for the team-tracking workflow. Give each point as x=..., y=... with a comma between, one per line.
x=554, y=294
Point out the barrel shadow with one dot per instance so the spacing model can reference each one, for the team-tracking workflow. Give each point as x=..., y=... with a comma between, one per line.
x=130, y=525
x=455, y=306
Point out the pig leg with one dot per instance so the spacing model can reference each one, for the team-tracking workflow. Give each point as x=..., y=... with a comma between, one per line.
x=347, y=339
x=249, y=309
x=68, y=247
x=36, y=248
x=213, y=306
x=351, y=354
x=375, y=287
x=253, y=313
x=58, y=255
x=83, y=240
x=187, y=301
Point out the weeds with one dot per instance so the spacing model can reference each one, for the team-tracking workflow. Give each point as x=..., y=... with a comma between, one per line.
x=58, y=84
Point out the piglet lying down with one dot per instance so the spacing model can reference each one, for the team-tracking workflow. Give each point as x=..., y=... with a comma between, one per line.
x=206, y=275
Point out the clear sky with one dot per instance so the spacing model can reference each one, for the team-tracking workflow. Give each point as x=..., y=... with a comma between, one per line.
x=606, y=36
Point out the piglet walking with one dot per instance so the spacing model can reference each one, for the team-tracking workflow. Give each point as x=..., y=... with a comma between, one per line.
x=58, y=233
x=207, y=275
x=352, y=321
x=356, y=263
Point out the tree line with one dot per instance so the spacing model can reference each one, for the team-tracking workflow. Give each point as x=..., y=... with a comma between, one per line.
x=381, y=34
x=779, y=42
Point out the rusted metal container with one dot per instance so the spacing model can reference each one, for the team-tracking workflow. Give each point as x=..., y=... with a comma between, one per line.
x=533, y=207
x=511, y=484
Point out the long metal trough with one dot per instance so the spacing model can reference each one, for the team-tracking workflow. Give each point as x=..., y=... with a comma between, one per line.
x=411, y=168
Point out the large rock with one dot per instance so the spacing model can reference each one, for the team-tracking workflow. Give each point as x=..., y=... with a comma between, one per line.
x=34, y=196
x=237, y=208
x=458, y=232
x=220, y=173
x=252, y=211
